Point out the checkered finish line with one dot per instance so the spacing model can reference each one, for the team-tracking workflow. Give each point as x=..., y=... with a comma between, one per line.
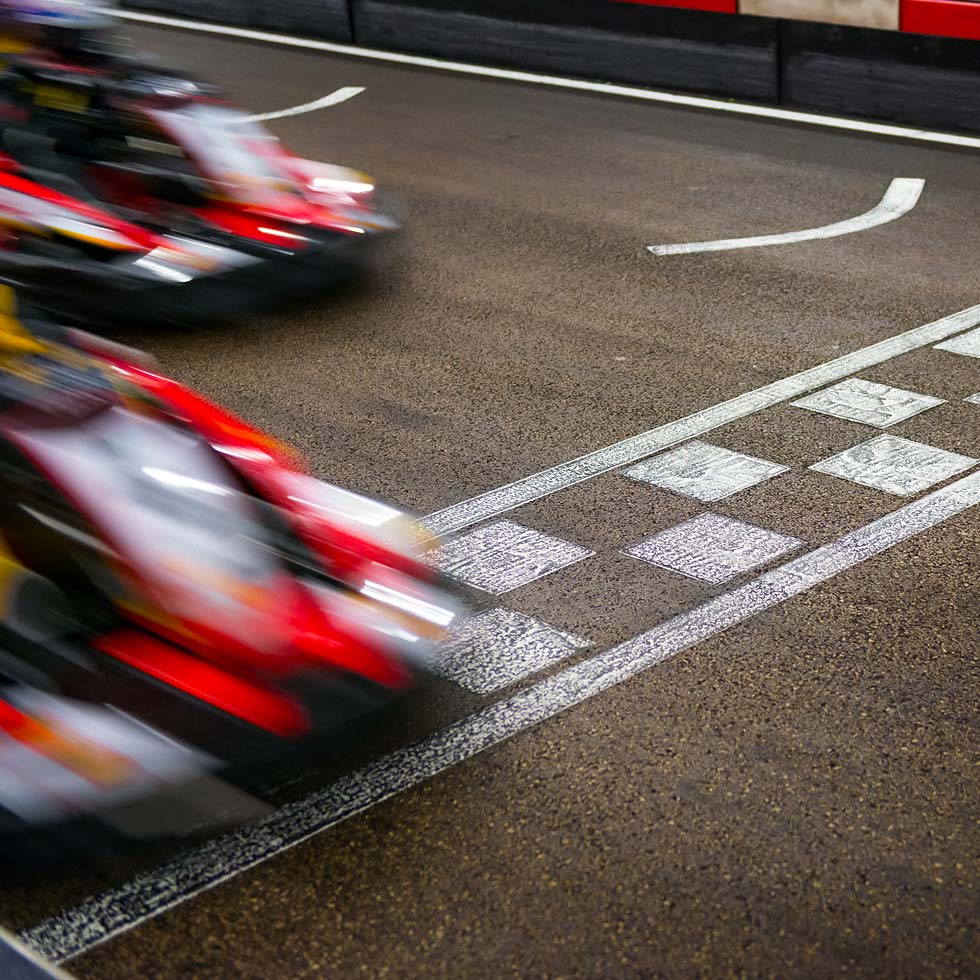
x=531, y=667
x=502, y=646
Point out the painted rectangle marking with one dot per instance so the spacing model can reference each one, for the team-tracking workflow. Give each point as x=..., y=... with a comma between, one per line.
x=499, y=647
x=503, y=556
x=704, y=472
x=895, y=465
x=713, y=548
x=857, y=400
x=968, y=344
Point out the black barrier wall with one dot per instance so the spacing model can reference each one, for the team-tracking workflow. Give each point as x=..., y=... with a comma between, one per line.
x=909, y=78
x=656, y=46
x=328, y=19
x=925, y=81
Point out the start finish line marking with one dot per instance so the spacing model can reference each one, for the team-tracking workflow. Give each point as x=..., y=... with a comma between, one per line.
x=105, y=916
x=632, y=450
x=121, y=909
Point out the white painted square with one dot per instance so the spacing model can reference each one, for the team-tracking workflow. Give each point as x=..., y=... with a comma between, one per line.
x=858, y=400
x=499, y=647
x=704, y=472
x=895, y=465
x=503, y=556
x=967, y=343
x=713, y=548
x=973, y=399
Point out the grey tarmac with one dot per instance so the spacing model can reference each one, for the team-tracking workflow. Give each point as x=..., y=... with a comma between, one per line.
x=794, y=796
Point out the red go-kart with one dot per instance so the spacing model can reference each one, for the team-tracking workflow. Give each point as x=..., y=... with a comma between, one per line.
x=161, y=555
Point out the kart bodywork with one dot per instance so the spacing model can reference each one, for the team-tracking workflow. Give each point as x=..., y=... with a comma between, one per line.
x=161, y=556
x=134, y=194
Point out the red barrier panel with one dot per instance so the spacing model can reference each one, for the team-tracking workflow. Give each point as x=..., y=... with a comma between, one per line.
x=948, y=18
x=717, y=6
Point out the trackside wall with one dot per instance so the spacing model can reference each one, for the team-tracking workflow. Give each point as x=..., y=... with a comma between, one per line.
x=853, y=57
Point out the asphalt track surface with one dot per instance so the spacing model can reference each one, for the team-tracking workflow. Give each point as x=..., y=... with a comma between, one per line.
x=793, y=793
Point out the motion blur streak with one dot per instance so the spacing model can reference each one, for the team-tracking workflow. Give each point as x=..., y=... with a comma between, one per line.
x=188, y=590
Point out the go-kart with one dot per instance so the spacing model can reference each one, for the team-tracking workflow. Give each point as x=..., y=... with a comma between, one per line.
x=164, y=557
x=129, y=192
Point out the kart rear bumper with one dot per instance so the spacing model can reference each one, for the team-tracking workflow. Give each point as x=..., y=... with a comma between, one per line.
x=125, y=292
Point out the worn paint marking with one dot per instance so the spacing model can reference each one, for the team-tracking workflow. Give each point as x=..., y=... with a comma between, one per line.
x=968, y=344
x=504, y=556
x=895, y=465
x=635, y=448
x=713, y=548
x=498, y=647
x=900, y=197
x=107, y=915
x=858, y=400
x=705, y=472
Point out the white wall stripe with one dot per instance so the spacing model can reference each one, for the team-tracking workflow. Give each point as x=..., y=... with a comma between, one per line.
x=114, y=912
x=334, y=98
x=862, y=126
x=549, y=481
x=901, y=196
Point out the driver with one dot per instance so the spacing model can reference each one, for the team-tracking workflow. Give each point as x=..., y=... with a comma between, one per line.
x=73, y=29
x=42, y=366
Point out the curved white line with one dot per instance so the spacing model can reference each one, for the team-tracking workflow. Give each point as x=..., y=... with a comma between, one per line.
x=899, y=199
x=334, y=98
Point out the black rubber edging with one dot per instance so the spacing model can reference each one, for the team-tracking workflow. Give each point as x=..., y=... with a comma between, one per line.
x=638, y=45
x=909, y=78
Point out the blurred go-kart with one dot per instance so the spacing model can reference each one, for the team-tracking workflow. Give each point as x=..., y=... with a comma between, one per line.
x=159, y=555
x=132, y=193
x=61, y=760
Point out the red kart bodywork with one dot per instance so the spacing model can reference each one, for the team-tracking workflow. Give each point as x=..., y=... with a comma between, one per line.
x=359, y=608
x=188, y=210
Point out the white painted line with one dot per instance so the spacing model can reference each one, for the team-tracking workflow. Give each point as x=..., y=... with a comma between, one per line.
x=499, y=647
x=968, y=344
x=104, y=916
x=564, y=475
x=504, y=556
x=334, y=98
x=863, y=401
x=705, y=472
x=895, y=465
x=863, y=126
x=713, y=548
x=973, y=399
x=899, y=199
